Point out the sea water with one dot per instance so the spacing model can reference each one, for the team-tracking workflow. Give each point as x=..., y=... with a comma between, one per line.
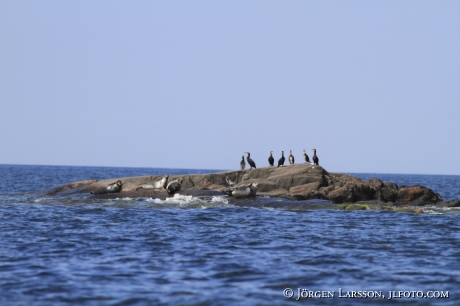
x=205, y=251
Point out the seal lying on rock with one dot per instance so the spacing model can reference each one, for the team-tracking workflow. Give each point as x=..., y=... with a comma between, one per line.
x=111, y=188
x=242, y=191
x=229, y=182
x=174, y=186
x=161, y=184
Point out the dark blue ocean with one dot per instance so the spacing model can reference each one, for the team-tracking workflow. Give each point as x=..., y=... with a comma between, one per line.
x=205, y=251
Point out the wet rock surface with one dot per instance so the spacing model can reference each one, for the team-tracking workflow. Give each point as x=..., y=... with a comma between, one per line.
x=295, y=182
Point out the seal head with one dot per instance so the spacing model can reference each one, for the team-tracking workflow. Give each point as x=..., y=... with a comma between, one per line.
x=174, y=186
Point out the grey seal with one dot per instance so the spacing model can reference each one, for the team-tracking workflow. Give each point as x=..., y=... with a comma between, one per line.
x=161, y=184
x=111, y=188
x=229, y=182
x=174, y=186
x=242, y=191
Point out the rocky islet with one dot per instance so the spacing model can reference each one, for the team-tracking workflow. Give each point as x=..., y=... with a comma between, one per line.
x=295, y=182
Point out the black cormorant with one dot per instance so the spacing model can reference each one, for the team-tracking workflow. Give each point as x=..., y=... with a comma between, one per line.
x=281, y=160
x=251, y=163
x=305, y=156
x=315, y=158
x=242, y=163
x=271, y=160
x=291, y=157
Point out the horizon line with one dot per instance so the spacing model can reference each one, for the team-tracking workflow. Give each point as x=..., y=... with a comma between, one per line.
x=143, y=167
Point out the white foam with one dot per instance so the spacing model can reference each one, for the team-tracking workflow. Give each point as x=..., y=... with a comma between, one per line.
x=124, y=199
x=187, y=200
x=433, y=210
x=180, y=199
x=176, y=199
x=219, y=200
x=39, y=200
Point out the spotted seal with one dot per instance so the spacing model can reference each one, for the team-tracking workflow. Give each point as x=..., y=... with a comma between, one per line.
x=111, y=188
x=161, y=184
x=242, y=191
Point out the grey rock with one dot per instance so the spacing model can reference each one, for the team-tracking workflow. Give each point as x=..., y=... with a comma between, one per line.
x=299, y=181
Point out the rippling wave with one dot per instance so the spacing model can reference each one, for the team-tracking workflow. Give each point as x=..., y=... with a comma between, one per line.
x=206, y=251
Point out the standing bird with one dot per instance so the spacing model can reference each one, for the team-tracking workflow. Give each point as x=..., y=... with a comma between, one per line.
x=291, y=158
x=242, y=163
x=305, y=156
x=271, y=160
x=315, y=158
x=251, y=163
x=281, y=160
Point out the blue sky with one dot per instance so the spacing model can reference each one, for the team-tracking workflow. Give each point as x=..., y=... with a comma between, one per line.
x=374, y=86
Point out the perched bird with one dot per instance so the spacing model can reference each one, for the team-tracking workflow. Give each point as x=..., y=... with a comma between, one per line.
x=315, y=158
x=291, y=158
x=161, y=184
x=111, y=188
x=305, y=156
x=271, y=160
x=242, y=163
x=251, y=163
x=281, y=160
x=174, y=186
